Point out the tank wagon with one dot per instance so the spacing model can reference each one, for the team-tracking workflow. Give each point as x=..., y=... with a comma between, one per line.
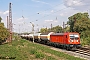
x=66, y=40
x=45, y=37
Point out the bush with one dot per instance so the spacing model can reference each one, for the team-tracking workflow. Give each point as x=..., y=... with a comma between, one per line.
x=3, y=32
x=85, y=41
x=85, y=37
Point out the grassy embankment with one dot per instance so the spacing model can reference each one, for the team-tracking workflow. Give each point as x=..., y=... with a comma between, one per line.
x=24, y=50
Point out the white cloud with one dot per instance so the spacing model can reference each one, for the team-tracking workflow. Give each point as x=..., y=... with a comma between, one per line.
x=62, y=14
x=3, y=15
x=48, y=20
x=22, y=18
x=53, y=21
x=52, y=11
x=21, y=21
x=73, y=3
x=44, y=13
x=78, y=4
x=71, y=7
x=47, y=23
x=40, y=1
x=6, y=12
x=1, y=12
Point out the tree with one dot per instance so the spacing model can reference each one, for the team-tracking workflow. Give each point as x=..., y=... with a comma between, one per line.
x=82, y=25
x=57, y=29
x=67, y=29
x=3, y=32
x=43, y=30
x=53, y=29
x=0, y=19
x=79, y=22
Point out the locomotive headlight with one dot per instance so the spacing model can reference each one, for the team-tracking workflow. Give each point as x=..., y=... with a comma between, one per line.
x=71, y=40
x=77, y=40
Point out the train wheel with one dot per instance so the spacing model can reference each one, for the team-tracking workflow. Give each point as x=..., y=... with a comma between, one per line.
x=48, y=42
x=68, y=48
x=39, y=40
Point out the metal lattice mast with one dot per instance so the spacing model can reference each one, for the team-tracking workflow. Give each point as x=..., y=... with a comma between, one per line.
x=7, y=23
x=10, y=21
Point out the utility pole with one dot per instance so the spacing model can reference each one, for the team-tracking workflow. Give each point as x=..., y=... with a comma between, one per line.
x=7, y=23
x=19, y=29
x=8, y=39
x=63, y=26
x=51, y=26
x=10, y=22
x=56, y=18
x=32, y=30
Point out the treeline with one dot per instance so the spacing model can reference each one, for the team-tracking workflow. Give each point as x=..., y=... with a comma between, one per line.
x=79, y=22
x=3, y=32
x=53, y=29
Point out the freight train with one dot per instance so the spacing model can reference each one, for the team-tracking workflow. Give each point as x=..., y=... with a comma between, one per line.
x=68, y=40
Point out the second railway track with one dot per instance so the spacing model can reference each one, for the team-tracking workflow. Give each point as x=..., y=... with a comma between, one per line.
x=85, y=54
x=84, y=51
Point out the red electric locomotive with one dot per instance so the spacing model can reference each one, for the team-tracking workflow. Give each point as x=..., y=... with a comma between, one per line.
x=66, y=40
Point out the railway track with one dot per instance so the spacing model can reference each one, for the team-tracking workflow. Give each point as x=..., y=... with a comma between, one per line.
x=83, y=52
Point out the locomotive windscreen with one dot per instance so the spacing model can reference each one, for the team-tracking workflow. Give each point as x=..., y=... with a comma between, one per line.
x=74, y=36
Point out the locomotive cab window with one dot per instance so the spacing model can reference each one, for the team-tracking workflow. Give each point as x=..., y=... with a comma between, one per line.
x=74, y=36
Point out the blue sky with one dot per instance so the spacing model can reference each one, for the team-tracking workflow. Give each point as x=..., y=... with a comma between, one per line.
x=41, y=12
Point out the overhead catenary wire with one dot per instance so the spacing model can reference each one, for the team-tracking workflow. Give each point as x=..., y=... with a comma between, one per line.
x=56, y=11
x=47, y=9
x=51, y=13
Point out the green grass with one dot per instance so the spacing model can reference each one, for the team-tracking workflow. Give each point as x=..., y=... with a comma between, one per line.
x=26, y=50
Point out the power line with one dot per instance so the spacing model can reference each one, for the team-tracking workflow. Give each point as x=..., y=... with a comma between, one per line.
x=48, y=9
x=52, y=13
x=55, y=11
